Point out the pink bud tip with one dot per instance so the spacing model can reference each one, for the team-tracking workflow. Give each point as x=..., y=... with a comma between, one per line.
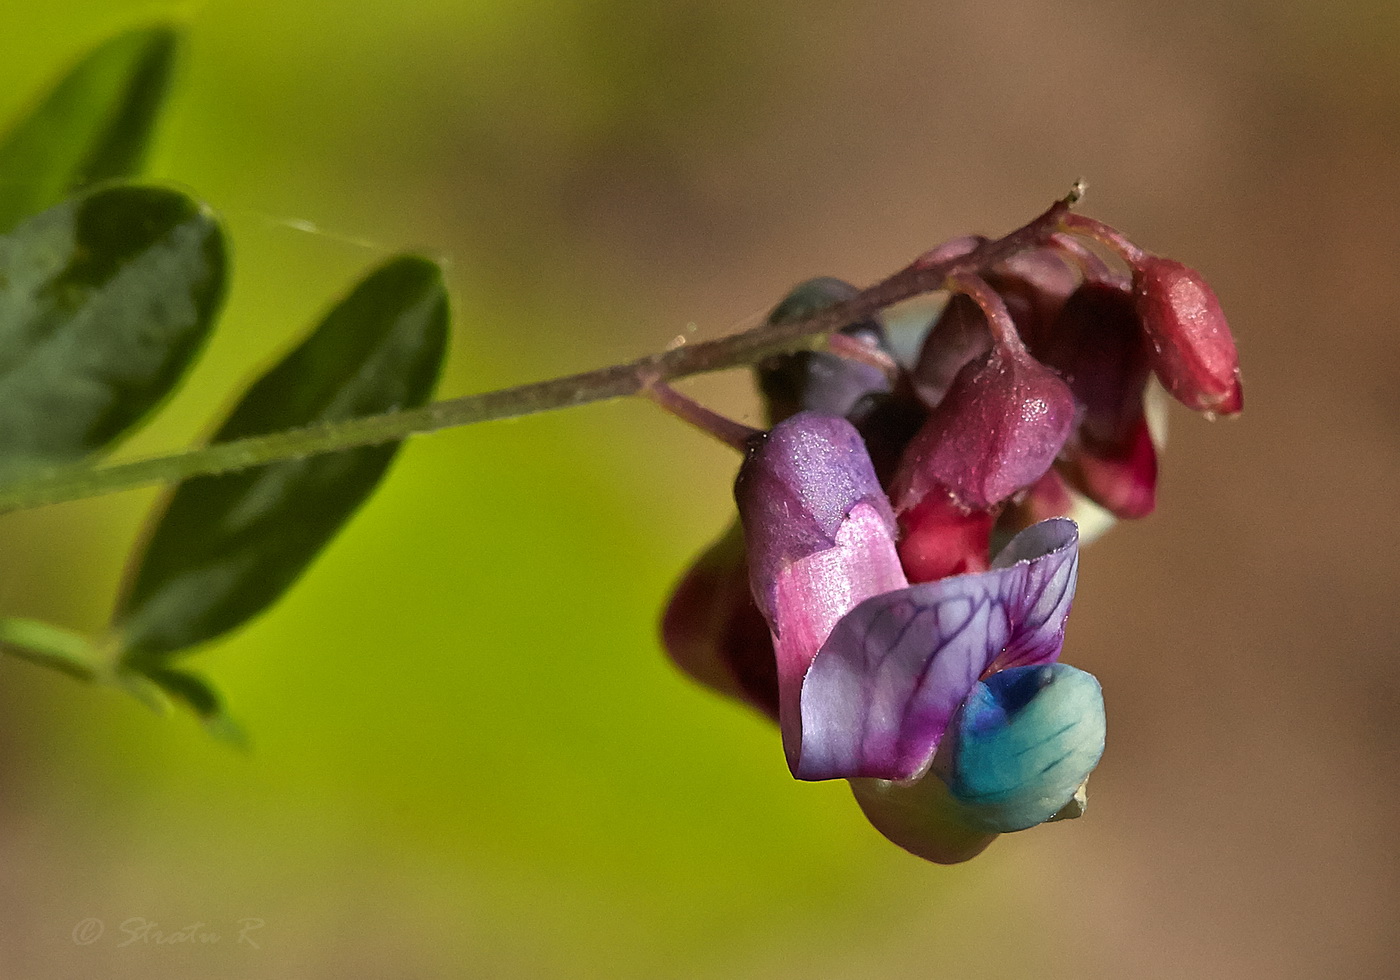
x=941, y=539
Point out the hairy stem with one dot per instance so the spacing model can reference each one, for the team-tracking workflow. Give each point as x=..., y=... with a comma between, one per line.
x=618, y=381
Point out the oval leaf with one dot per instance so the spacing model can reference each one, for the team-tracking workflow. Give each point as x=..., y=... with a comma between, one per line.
x=95, y=125
x=227, y=547
x=104, y=302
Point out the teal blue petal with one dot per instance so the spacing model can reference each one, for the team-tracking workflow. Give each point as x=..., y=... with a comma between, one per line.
x=1026, y=740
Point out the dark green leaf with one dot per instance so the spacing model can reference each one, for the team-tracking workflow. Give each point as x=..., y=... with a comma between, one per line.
x=226, y=547
x=197, y=694
x=50, y=646
x=104, y=302
x=95, y=125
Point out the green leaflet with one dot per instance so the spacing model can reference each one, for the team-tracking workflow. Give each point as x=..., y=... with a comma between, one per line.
x=195, y=693
x=50, y=646
x=105, y=300
x=226, y=547
x=95, y=125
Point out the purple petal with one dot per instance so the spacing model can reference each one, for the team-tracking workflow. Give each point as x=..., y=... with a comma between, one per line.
x=796, y=490
x=885, y=685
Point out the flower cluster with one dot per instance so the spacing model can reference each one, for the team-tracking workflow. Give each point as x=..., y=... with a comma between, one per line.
x=896, y=590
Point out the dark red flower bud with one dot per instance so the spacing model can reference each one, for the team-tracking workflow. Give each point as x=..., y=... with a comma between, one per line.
x=998, y=429
x=1034, y=285
x=819, y=381
x=959, y=335
x=1193, y=353
x=1098, y=345
x=1120, y=477
x=715, y=633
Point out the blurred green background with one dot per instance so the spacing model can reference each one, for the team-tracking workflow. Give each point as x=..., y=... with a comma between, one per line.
x=470, y=756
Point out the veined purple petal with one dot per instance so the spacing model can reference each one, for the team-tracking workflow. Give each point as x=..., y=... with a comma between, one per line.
x=1048, y=555
x=881, y=692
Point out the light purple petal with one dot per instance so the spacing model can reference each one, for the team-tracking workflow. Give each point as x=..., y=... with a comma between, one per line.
x=796, y=490
x=881, y=691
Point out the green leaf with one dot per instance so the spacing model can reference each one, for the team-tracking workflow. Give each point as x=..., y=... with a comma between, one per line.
x=95, y=125
x=105, y=300
x=227, y=547
x=50, y=646
x=197, y=694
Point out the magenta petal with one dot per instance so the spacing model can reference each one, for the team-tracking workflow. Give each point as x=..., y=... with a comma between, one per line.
x=885, y=685
x=941, y=539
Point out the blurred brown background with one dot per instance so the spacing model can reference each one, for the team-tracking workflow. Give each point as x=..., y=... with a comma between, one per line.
x=604, y=176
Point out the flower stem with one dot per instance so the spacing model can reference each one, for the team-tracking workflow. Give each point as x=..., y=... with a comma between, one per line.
x=734, y=434
x=1105, y=235
x=993, y=308
x=855, y=349
x=618, y=381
